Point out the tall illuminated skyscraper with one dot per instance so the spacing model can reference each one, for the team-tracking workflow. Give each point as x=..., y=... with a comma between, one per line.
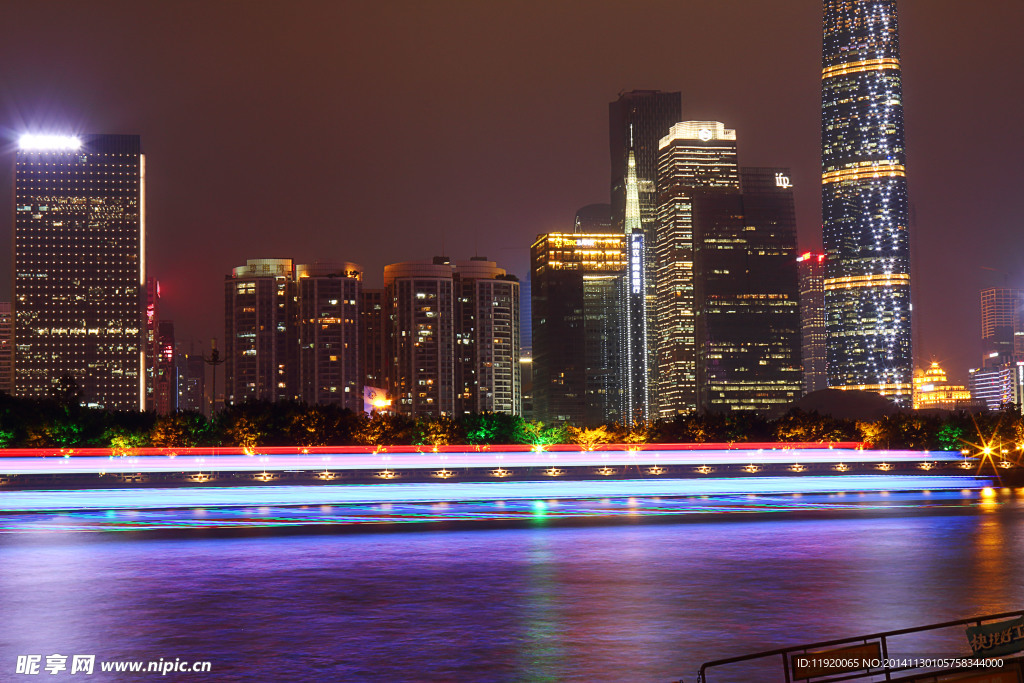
x=633, y=292
x=576, y=327
x=698, y=160
x=864, y=201
x=811, y=267
x=79, y=267
x=1002, y=327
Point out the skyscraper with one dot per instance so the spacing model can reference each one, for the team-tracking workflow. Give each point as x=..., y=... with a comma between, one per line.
x=1002, y=326
x=698, y=158
x=6, y=357
x=748, y=296
x=811, y=267
x=576, y=344
x=864, y=200
x=728, y=311
x=259, y=332
x=633, y=297
x=327, y=312
x=79, y=267
x=637, y=121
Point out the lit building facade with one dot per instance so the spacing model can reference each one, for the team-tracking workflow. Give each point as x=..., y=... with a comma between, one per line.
x=165, y=375
x=728, y=292
x=813, y=333
x=6, y=351
x=487, y=347
x=329, y=353
x=372, y=338
x=998, y=388
x=698, y=160
x=152, y=340
x=576, y=327
x=1002, y=327
x=932, y=390
x=420, y=310
x=190, y=372
x=260, y=332
x=637, y=121
x=634, y=365
x=864, y=201
x=80, y=267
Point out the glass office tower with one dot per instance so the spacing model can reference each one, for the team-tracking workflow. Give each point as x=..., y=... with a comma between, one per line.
x=80, y=268
x=864, y=201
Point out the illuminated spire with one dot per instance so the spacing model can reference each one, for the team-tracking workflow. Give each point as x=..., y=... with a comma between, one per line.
x=632, y=216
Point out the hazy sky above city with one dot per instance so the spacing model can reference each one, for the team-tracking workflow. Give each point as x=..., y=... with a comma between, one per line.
x=376, y=131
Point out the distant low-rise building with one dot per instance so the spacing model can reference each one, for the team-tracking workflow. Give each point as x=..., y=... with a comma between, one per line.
x=932, y=390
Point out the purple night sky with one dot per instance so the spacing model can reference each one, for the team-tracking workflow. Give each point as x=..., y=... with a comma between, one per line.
x=370, y=132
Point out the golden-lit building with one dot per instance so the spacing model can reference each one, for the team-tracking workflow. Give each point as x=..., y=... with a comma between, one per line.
x=575, y=307
x=931, y=390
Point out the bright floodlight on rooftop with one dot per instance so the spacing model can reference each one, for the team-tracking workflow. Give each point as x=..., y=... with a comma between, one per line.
x=31, y=141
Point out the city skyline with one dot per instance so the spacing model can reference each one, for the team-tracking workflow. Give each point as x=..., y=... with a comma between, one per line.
x=225, y=161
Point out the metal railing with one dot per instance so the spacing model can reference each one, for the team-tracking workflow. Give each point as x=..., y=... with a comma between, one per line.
x=880, y=638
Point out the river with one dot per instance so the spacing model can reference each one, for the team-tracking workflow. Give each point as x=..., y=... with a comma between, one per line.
x=647, y=598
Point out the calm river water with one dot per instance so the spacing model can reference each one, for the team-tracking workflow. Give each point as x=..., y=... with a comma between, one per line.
x=643, y=601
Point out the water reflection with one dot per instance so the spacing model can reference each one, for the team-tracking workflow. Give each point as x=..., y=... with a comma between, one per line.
x=637, y=602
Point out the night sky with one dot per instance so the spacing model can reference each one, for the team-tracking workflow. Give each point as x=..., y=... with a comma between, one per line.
x=376, y=131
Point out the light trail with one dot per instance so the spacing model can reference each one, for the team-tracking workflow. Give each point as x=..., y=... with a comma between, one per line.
x=139, y=464
x=515, y=511
x=248, y=496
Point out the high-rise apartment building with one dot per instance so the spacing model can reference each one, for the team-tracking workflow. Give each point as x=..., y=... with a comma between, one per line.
x=329, y=354
x=452, y=337
x=1002, y=326
x=813, y=333
x=373, y=338
x=575, y=304
x=420, y=308
x=260, y=347
x=79, y=267
x=487, y=348
x=864, y=200
x=698, y=162
x=6, y=354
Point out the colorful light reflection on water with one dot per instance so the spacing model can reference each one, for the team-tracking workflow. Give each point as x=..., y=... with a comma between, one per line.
x=496, y=511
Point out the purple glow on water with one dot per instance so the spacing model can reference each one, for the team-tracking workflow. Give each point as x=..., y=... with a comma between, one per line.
x=643, y=602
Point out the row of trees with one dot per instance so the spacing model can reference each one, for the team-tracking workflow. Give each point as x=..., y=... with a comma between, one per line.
x=62, y=422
